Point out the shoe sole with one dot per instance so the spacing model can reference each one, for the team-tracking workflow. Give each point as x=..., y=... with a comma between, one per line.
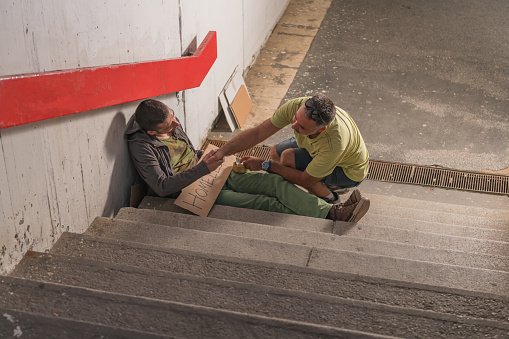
x=360, y=210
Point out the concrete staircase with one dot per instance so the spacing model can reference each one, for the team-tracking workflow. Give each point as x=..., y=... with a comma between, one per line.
x=424, y=270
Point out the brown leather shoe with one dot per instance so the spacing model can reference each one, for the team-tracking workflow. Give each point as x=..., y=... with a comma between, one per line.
x=361, y=208
x=350, y=213
x=353, y=198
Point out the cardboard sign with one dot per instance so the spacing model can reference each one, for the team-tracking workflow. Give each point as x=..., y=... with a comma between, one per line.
x=199, y=197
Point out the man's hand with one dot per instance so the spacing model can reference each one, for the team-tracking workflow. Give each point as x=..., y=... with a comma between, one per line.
x=218, y=154
x=212, y=161
x=252, y=163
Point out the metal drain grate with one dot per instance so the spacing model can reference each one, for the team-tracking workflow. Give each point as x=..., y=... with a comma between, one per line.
x=413, y=174
x=438, y=177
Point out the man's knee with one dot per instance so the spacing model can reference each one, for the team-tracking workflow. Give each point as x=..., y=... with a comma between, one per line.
x=288, y=157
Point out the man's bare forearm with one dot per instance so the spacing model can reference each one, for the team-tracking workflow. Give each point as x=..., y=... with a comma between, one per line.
x=248, y=138
x=240, y=142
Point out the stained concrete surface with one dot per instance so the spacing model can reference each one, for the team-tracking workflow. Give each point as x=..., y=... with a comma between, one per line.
x=426, y=81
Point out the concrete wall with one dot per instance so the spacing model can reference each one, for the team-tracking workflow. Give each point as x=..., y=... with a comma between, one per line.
x=58, y=175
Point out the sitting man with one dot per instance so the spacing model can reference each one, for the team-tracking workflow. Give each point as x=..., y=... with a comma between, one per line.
x=167, y=161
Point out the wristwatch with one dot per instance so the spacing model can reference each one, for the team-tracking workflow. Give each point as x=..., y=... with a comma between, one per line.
x=266, y=165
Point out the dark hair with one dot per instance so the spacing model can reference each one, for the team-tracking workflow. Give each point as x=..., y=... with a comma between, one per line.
x=320, y=109
x=151, y=113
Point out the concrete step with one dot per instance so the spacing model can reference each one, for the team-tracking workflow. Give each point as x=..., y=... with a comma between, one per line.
x=402, y=208
x=300, y=255
x=391, y=200
x=148, y=257
x=435, y=227
x=452, y=216
x=244, y=214
x=363, y=230
x=435, y=240
x=248, y=298
x=154, y=316
x=374, y=217
x=363, y=243
x=26, y=325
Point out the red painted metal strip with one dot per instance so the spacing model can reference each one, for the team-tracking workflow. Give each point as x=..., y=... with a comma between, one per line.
x=34, y=97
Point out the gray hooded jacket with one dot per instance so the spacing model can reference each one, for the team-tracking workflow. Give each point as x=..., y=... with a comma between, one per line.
x=151, y=159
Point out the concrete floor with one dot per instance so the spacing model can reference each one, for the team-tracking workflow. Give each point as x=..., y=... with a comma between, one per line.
x=426, y=81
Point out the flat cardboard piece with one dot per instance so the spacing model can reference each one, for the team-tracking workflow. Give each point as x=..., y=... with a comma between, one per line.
x=241, y=105
x=199, y=197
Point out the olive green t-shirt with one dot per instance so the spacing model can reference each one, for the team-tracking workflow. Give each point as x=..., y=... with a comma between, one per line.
x=182, y=156
x=340, y=144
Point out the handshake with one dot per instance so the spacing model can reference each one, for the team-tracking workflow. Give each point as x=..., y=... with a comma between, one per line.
x=215, y=158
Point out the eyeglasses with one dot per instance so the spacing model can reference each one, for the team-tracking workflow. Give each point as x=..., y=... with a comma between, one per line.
x=312, y=113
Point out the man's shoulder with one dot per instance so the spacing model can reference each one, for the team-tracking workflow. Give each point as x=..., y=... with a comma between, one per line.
x=142, y=142
x=138, y=137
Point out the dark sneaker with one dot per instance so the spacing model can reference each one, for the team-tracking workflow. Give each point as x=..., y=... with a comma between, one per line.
x=354, y=197
x=350, y=213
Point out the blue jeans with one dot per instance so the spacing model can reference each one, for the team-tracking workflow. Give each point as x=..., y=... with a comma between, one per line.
x=336, y=180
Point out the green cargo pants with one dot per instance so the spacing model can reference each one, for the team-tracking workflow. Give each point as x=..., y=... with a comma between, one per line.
x=270, y=192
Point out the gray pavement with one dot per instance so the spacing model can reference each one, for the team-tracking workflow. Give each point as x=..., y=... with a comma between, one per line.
x=426, y=81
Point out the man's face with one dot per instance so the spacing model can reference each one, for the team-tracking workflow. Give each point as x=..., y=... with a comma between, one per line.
x=168, y=125
x=303, y=125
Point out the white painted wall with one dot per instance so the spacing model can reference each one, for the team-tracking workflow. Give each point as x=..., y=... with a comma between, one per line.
x=59, y=174
x=258, y=23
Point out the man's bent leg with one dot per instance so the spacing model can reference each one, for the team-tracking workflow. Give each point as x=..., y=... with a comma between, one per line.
x=338, y=179
x=283, y=145
x=319, y=189
x=273, y=185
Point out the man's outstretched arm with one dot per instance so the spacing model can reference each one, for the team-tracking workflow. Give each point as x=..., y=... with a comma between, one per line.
x=247, y=139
